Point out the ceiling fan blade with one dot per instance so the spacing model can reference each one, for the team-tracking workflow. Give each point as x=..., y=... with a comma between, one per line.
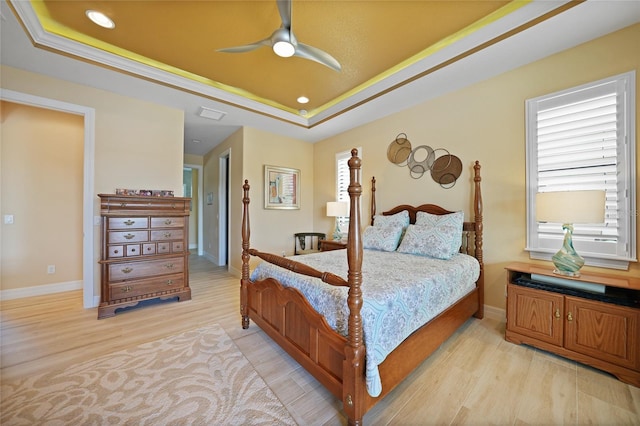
x=284, y=7
x=313, y=53
x=246, y=47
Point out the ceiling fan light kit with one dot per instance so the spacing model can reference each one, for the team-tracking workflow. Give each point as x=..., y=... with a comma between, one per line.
x=284, y=43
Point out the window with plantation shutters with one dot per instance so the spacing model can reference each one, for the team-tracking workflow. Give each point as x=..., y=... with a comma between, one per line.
x=584, y=139
x=342, y=183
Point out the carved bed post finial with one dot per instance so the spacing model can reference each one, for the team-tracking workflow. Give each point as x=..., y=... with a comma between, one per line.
x=246, y=233
x=477, y=211
x=354, y=352
x=373, y=199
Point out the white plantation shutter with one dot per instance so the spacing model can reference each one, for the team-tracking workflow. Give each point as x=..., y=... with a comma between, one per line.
x=579, y=139
x=342, y=183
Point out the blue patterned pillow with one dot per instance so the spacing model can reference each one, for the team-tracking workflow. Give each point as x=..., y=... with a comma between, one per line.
x=438, y=236
x=385, y=238
x=399, y=219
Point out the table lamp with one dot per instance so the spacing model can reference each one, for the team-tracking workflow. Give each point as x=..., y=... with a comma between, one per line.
x=569, y=207
x=337, y=209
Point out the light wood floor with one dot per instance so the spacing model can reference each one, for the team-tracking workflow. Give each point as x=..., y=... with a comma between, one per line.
x=476, y=377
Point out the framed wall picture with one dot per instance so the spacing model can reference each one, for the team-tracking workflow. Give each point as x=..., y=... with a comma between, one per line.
x=281, y=188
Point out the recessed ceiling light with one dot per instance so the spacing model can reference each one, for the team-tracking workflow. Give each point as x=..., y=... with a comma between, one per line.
x=101, y=19
x=303, y=100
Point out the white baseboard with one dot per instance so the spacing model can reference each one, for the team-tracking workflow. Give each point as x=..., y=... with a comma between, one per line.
x=495, y=313
x=39, y=290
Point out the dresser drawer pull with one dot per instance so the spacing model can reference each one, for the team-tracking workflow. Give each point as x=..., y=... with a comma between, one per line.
x=116, y=251
x=173, y=206
x=129, y=236
x=127, y=270
x=126, y=289
x=169, y=266
x=123, y=204
x=129, y=222
x=168, y=222
x=569, y=317
x=169, y=282
x=557, y=314
x=167, y=234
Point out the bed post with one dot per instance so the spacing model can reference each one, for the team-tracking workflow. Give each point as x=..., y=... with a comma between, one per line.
x=246, y=233
x=353, y=390
x=373, y=199
x=477, y=212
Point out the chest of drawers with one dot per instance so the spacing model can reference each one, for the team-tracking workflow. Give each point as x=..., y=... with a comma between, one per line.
x=144, y=251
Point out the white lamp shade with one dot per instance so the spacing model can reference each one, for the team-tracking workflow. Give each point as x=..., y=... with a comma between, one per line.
x=337, y=208
x=570, y=206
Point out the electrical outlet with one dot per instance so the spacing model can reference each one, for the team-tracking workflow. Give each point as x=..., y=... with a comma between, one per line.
x=51, y=269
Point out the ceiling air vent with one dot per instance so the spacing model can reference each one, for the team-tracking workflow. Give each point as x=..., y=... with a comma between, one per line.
x=211, y=114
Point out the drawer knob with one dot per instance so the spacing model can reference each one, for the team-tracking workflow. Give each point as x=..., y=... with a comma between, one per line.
x=557, y=314
x=129, y=236
x=169, y=282
x=123, y=204
x=126, y=289
x=168, y=222
x=167, y=234
x=127, y=270
x=129, y=222
x=569, y=317
x=116, y=251
x=169, y=266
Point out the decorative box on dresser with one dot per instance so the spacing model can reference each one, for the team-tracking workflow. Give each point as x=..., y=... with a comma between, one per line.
x=144, y=251
x=593, y=319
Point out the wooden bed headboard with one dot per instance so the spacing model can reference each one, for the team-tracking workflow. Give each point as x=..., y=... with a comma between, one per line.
x=472, y=230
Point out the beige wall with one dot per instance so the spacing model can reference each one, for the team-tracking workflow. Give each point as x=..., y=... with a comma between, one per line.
x=482, y=122
x=251, y=150
x=42, y=188
x=137, y=144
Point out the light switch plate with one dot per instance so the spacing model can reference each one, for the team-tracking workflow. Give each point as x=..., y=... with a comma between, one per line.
x=8, y=219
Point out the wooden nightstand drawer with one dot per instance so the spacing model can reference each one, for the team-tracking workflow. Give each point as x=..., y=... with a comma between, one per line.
x=328, y=245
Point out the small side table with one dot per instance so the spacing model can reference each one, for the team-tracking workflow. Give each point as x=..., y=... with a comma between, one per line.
x=328, y=245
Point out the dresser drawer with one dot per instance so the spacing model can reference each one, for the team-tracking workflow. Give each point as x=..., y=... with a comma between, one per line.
x=167, y=222
x=114, y=204
x=128, y=222
x=167, y=235
x=135, y=270
x=145, y=287
x=116, y=237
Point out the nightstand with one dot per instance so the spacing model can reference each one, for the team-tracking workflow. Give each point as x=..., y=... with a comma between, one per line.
x=328, y=245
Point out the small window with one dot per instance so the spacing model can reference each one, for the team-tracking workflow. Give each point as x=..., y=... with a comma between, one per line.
x=342, y=184
x=583, y=139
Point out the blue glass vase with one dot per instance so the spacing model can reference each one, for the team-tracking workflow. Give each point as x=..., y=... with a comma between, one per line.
x=567, y=261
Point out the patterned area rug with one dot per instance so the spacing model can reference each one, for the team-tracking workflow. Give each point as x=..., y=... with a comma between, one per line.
x=198, y=377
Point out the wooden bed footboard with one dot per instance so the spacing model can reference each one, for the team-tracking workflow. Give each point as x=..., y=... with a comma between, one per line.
x=334, y=360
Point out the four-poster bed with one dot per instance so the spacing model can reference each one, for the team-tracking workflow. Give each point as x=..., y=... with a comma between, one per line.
x=336, y=356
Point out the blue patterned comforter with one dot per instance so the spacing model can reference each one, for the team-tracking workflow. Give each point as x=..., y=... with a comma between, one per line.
x=401, y=292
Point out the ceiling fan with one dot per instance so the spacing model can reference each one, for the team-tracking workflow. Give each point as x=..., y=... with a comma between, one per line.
x=285, y=44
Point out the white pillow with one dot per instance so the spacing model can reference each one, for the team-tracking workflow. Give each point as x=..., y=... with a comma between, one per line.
x=385, y=238
x=438, y=236
x=399, y=219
